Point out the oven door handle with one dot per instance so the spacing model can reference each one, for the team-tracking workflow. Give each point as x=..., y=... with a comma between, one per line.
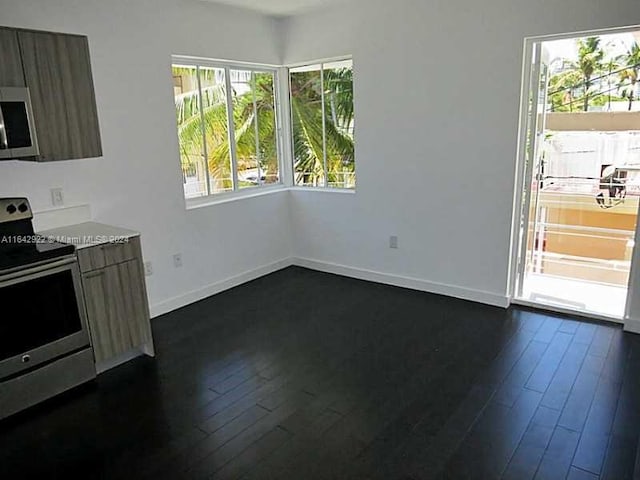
x=23, y=272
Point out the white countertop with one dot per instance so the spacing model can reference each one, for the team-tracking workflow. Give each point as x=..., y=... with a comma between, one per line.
x=88, y=234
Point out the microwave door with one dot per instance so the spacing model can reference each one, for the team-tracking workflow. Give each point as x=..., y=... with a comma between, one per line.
x=17, y=138
x=16, y=125
x=4, y=142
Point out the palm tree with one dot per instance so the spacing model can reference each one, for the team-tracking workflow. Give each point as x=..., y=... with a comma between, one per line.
x=254, y=117
x=576, y=82
x=630, y=75
x=307, y=126
x=189, y=116
x=590, y=57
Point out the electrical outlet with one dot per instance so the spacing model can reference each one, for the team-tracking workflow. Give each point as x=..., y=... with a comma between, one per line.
x=393, y=241
x=57, y=197
x=148, y=269
x=177, y=260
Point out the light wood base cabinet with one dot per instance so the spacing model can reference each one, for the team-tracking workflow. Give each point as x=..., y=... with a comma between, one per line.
x=116, y=300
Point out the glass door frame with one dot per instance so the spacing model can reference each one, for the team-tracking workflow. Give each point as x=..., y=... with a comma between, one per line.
x=528, y=122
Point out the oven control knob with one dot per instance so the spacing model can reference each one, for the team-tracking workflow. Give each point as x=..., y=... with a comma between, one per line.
x=23, y=207
x=11, y=209
x=26, y=358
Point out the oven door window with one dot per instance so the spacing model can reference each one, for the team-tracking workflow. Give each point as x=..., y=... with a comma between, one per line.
x=37, y=312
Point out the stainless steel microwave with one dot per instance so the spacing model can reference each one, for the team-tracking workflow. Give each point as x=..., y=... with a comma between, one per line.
x=17, y=131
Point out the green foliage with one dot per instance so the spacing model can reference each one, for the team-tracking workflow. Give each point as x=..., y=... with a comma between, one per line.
x=247, y=121
x=254, y=115
x=564, y=88
x=630, y=75
x=603, y=100
x=578, y=81
x=573, y=89
x=307, y=118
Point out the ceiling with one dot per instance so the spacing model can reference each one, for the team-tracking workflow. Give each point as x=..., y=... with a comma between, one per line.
x=278, y=7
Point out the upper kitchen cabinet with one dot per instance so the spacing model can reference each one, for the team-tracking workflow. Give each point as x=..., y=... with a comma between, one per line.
x=11, y=73
x=57, y=70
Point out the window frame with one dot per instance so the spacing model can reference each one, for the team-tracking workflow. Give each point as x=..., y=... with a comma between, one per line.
x=325, y=187
x=237, y=192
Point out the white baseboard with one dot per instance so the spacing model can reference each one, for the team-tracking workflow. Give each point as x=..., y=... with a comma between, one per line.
x=359, y=273
x=209, y=290
x=631, y=325
x=406, y=282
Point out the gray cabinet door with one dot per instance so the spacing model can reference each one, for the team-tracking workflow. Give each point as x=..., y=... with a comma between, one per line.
x=11, y=74
x=117, y=309
x=57, y=70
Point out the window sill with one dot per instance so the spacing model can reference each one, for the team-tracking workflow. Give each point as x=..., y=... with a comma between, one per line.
x=217, y=199
x=348, y=191
x=220, y=198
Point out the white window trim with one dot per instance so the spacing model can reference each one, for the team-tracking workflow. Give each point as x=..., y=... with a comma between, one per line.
x=226, y=197
x=324, y=187
x=237, y=193
x=284, y=139
x=316, y=61
x=308, y=188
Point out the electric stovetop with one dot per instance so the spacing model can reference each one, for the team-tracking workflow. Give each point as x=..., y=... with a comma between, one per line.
x=25, y=254
x=19, y=246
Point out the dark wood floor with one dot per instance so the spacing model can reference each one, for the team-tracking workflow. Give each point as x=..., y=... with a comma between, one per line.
x=304, y=375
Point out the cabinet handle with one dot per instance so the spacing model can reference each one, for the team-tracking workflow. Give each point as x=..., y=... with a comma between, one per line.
x=97, y=273
x=109, y=245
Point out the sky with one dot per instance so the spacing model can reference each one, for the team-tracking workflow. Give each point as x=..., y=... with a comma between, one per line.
x=615, y=44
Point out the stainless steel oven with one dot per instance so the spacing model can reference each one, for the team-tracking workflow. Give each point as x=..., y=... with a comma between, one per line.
x=17, y=131
x=44, y=342
x=48, y=318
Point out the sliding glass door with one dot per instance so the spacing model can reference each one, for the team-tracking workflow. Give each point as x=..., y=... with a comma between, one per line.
x=581, y=183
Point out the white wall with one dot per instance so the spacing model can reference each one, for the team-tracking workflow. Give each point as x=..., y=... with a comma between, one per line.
x=437, y=96
x=137, y=183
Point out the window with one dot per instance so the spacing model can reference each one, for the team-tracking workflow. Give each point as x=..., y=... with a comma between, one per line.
x=227, y=127
x=322, y=124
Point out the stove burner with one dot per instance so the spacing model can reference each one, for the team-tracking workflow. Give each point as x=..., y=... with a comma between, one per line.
x=19, y=246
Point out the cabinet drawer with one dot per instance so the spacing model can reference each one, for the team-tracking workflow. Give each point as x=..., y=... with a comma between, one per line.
x=100, y=256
